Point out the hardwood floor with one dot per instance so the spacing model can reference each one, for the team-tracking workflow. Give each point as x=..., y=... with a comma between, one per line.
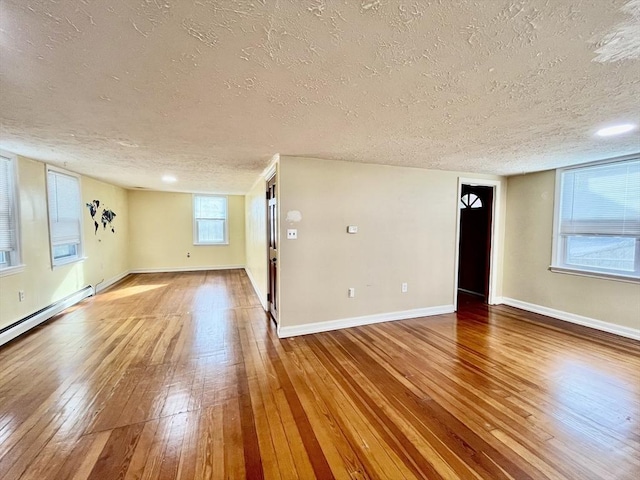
x=182, y=376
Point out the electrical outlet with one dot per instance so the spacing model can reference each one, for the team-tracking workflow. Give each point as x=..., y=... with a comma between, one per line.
x=352, y=292
x=21, y=295
x=405, y=288
x=188, y=255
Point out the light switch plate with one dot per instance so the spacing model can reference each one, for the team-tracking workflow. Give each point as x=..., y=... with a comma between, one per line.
x=352, y=229
x=292, y=233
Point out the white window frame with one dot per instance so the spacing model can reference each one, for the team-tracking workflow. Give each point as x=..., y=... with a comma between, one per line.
x=195, y=220
x=558, y=264
x=14, y=265
x=79, y=256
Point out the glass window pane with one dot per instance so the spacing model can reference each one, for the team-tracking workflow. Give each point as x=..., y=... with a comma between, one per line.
x=210, y=219
x=470, y=200
x=64, y=251
x=607, y=253
x=210, y=207
x=210, y=231
x=65, y=210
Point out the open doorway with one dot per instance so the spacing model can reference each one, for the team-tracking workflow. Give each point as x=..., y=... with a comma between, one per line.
x=476, y=242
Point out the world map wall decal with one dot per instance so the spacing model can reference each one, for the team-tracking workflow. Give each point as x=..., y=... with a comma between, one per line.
x=106, y=217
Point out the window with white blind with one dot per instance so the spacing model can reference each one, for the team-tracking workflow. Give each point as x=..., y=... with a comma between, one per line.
x=9, y=238
x=597, y=219
x=210, y=220
x=65, y=216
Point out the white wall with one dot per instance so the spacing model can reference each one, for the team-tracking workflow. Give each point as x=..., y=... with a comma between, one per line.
x=106, y=252
x=256, y=239
x=161, y=225
x=407, y=226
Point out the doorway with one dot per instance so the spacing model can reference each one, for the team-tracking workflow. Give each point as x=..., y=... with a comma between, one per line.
x=476, y=204
x=272, y=245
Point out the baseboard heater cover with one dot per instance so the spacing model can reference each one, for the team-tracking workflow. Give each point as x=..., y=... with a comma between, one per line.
x=27, y=323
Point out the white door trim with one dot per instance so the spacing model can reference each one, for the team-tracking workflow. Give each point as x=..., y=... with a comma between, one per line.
x=495, y=238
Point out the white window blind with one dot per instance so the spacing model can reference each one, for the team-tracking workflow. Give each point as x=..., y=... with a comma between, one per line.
x=64, y=216
x=209, y=219
x=601, y=200
x=7, y=211
x=598, y=219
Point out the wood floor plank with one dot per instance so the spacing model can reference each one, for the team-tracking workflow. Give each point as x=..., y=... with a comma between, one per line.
x=116, y=455
x=83, y=460
x=141, y=453
x=251, y=447
x=183, y=376
x=343, y=461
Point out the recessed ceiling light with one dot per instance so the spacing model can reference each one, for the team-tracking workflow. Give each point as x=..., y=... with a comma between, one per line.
x=169, y=178
x=615, y=130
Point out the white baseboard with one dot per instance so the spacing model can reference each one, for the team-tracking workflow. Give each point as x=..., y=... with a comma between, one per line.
x=318, y=327
x=263, y=301
x=497, y=301
x=628, y=332
x=99, y=287
x=45, y=314
x=185, y=269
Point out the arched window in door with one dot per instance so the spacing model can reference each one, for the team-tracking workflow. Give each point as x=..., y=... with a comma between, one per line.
x=470, y=200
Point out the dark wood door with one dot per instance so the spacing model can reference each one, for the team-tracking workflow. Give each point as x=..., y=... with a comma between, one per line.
x=476, y=209
x=272, y=240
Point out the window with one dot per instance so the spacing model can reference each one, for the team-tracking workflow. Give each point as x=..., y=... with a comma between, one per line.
x=65, y=220
x=597, y=219
x=9, y=238
x=470, y=200
x=210, y=220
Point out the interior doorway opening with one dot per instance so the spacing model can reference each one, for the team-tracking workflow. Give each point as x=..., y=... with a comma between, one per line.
x=476, y=241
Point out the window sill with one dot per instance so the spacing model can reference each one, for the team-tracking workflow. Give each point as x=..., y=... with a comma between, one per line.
x=5, y=272
x=225, y=244
x=68, y=262
x=601, y=275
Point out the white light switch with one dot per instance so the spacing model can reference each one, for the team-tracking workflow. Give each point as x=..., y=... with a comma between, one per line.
x=352, y=229
x=292, y=233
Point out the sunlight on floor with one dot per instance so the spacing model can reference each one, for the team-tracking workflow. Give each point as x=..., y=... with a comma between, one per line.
x=126, y=292
x=585, y=391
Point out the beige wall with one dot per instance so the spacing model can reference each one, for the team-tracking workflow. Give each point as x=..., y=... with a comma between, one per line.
x=256, y=238
x=407, y=230
x=528, y=256
x=106, y=252
x=161, y=226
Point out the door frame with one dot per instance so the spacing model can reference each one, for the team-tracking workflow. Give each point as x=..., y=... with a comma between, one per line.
x=270, y=173
x=492, y=298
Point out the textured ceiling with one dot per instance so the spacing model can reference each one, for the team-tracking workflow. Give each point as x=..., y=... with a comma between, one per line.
x=209, y=91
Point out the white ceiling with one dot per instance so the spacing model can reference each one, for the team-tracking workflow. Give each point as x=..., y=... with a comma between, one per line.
x=209, y=91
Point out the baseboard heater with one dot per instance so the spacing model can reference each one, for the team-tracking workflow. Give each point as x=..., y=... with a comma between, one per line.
x=35, y=319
